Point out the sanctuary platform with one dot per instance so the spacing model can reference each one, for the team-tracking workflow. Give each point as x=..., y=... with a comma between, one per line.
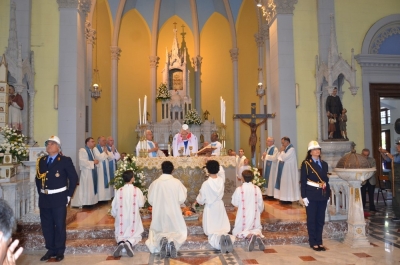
x=91, y=230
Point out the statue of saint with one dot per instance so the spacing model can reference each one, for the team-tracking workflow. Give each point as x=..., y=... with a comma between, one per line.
x=334, y=106
x=15, y=107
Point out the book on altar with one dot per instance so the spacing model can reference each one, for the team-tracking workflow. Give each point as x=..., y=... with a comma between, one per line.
x=206, y=151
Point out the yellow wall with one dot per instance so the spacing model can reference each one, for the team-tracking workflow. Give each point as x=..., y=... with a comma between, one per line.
x=101, y=109
x=305, y=50
x=133, y=77
x=353, y=20
x=247, y=26
x=4, y=24
x=216, y=72
x=45, y=42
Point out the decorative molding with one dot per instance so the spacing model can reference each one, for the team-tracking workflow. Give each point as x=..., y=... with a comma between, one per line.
x=90, y=33
x=196, y=61
x=382, y=35
x=259, y=37
x=234, y=54
x=84, y=6
x=154, y=61
x=115, y=52
x=274, y=7
x=81, y=5
x=378, y=60
x=265, y=31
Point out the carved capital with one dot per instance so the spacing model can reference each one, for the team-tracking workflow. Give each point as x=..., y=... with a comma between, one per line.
x=275, y=7
x=90, y=33
x=115, y=52
x=259, y=37
x=234, y=54
x=81, y=5
x=154, y=61
x=196, y=61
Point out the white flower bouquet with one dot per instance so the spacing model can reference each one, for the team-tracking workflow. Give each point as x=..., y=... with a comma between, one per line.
x=258, y=179
x=163, y=92
x=129, y=163
x=192, y=117
x=14, y=143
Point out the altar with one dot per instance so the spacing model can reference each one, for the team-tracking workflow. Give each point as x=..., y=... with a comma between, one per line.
x=189, y=170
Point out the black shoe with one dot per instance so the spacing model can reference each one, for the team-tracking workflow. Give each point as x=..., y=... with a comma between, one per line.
x=322, y=248
x=395, y=220
x=59, y=257
x=46, y=256
x=316, y=248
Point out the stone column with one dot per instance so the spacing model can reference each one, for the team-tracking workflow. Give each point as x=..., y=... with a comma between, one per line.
x=71, y=75
x=234, y=56
x=153, y=87
x=90, y=35
x=279, y=14
x=318, y=95
x=115, y=52
x=260, y=40
x=196, y=61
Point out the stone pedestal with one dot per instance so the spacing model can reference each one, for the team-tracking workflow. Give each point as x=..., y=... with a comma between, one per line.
x=355, y=237
x=332, y=152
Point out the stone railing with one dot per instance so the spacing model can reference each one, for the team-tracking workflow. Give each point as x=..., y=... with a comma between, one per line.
x=338, y=205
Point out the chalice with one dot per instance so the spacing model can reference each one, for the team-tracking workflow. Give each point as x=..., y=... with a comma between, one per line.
x=180, y=151
x=190, y=148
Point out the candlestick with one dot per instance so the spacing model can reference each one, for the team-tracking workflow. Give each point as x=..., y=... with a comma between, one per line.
x=145, y=110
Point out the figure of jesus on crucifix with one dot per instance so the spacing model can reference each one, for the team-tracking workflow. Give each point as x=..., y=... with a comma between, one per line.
x=253, y=125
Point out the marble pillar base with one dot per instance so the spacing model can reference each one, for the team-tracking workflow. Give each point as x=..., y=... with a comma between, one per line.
x=355, y=237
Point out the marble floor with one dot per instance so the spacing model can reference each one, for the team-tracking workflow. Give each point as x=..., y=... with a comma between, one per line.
x=384, y=236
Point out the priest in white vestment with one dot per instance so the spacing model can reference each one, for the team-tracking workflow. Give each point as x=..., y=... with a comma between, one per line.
x=215, y=220
x=117, y=156
x=270, y=158
x=287, y=187
x=166, y=194
x=125, y=209
x=152, y=147
x=86, y=193
x=248, y=199
x=105, y=190
x=239, y=163
x=185, y=140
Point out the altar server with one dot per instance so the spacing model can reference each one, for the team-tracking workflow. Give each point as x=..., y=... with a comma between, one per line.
x=106, y=191
x=86, y=192
x=315, y=191
x=270, y=157
x=248, y=199
x=185, y=141
x=216, y=144
x=152, y=147
x=125, y=209
x=215, y=220
x=239, y=163
x=287, y=187
x=168, y=229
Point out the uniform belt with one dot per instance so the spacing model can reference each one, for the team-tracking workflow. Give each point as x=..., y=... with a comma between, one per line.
x=314, y=184
x=54, y=191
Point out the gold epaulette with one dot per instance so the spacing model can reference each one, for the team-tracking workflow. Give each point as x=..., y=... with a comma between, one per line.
x=41, y=176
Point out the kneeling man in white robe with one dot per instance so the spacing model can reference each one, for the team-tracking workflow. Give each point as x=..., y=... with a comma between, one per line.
x=168, y=229
x=215, y=220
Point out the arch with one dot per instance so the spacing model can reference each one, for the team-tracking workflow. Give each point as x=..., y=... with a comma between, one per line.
x=369, y=37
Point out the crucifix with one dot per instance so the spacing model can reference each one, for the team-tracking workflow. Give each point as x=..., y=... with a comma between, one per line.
x=253, y=125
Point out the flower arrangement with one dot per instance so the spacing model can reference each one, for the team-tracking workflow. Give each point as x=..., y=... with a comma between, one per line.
x=163, y=92
x=192, y=117
x=258, y=180
x=129, y=163
x=14, y=143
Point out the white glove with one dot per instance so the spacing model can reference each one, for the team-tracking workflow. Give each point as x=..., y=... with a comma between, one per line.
x=68, y=200
x=305, y=201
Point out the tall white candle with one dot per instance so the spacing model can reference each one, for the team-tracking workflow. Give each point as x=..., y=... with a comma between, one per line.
x=145, y=110
x=140, y=114
x=220, y=106
x=224, y=111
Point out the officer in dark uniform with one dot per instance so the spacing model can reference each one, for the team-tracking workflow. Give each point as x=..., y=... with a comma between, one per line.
x=315, y=191
x=56, y=180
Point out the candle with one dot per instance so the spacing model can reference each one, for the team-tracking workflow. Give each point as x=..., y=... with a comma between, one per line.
x=224, y=111
x=140, y=114
x=169, y=149
x=145, y=110
x=220, y=105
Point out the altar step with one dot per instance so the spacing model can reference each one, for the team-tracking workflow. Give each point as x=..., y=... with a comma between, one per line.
x=101, y=239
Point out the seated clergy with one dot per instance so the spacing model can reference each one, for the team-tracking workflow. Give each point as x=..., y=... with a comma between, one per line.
x=185, y=141
x=152, y=147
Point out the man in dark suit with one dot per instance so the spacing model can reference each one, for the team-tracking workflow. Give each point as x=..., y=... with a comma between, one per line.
x=56, y=180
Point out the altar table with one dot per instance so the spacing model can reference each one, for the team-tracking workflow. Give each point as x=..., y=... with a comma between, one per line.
x=189, y=170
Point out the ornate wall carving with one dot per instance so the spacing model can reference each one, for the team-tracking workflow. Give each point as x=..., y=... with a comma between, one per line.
x=234, y=54
x=90, y=33
x=115, y=52
x=271, y=8
x=384, y=33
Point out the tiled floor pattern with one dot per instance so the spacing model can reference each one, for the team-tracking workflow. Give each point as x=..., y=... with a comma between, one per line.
x=384, y=237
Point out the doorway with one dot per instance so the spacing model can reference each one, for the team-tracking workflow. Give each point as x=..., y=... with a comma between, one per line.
x=385, y=110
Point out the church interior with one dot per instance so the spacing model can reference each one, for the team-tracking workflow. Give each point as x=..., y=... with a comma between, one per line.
x=97, y=68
